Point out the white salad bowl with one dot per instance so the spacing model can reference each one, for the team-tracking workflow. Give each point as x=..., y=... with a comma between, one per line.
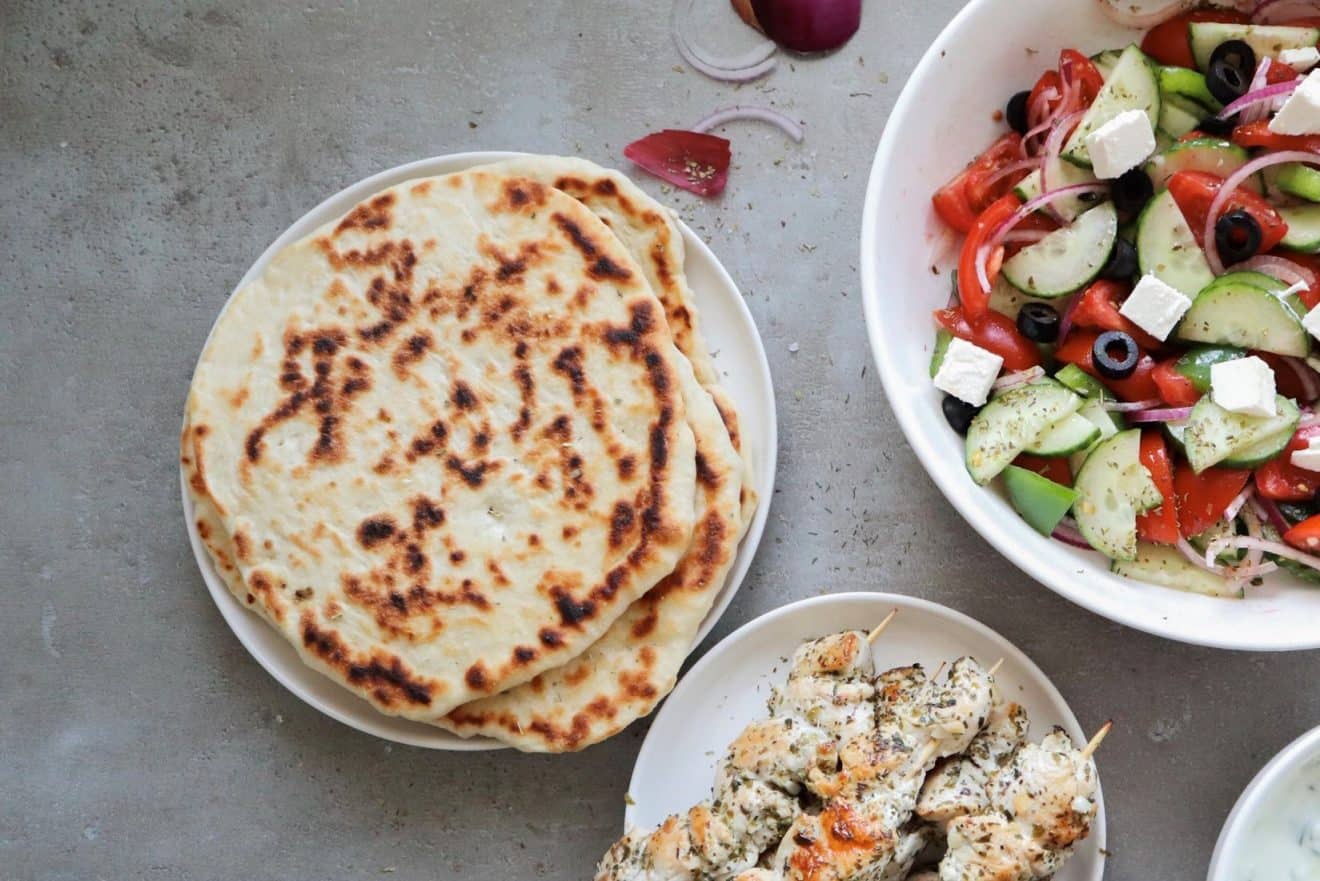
x=1264, y=824
x=992, y=49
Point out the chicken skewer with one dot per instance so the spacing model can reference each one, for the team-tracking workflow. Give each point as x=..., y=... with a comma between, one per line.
x=1041, y=803
x=828, y=699
x=862, y=832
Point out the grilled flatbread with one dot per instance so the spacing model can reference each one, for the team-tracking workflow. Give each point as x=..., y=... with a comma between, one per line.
x=624, y=675
x=441, y=444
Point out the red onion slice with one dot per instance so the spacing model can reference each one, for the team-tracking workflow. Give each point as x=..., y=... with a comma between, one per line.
x=1066, y=321
x=1068, y=533
x=1276, y=11
x=1160, y=414
x=1277, y=548
x=748, y=111
x=1021, y=377
x=725, y=69
x=1011, y=169
x=809, y=25
x=1131, y=406
x=1267, y=510
x=997, y=238
x=681, y=20
x=1196, y=558
x=1239, y=500
x=692, y=161
x=1234, y=181
x=1144, y=13
x=1260, y=96
x=1305, y=375
x=1282, y=268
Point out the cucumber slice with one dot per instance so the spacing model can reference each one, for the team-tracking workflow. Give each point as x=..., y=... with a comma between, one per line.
x=1214, y=434
x=1029, y=187
x=1298, y=180
x=1259, y=453
x=1113, y=487
x=1040, y=501
x=1179, y=115
x=1263, y=39
x=1211, y=155
x=1010, y=423
x=1196, y=363
x=1081, y=382
x=942, y=340
x=1167, y=567
x=1238, y=314
x=1188, y=84
x=1247, y=277
x=1069, y=436
x=1068, y=258
x=1059, y=174
x=1303, y=228
x=1008, y=300
x=1131, y=85
x=1167, y=249
x=1106, y=61
x=1174, y=433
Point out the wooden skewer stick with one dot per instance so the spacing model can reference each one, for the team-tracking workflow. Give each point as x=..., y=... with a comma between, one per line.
x=1090, y=748
x=875, y=634
x=995, y=669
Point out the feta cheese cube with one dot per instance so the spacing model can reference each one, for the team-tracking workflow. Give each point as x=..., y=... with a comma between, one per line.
x=1300, y=114
x=1308, y=458
x=1311, y=321
x=1244, y=385
x=1155, y=307
x=1121, y=144
x=1300, y=60
x=968, y=371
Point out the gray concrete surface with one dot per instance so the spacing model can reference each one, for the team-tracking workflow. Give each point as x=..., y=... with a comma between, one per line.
x=149, y=151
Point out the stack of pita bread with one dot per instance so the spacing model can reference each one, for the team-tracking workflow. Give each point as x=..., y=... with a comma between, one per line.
x=465, y=449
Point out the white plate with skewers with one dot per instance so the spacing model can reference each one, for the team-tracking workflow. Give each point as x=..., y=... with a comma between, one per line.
x=729, y=689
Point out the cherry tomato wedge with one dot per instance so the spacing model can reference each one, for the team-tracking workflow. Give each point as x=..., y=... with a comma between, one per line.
x=1140, y=386
x=974, y=298
x=1169, y=43
x=961, y=200
x=1279, y=73
x=1305, y=535
x=1098, y=308
x=1055, y=468
x=1194, y=191
x=1203, y=497
x=993, y=332
x=1279, y=479
x=1159, y=525
x=1074, y=67
x=1176, y=390
x=1258, y=134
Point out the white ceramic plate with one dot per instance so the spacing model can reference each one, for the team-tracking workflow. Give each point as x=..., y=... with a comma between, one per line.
x=979, y=60
x=1234, y=850
x=739, y=356
x=728, y=688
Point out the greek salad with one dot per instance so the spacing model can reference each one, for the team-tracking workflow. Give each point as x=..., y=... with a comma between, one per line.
x=1132, y=341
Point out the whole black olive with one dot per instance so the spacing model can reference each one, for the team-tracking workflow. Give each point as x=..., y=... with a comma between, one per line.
x=1132, y=191
x=1016, y=112
x=1115, y=354
x=1122, y=263
x=1038, y=322
x=1226, y=82
x=1237, y=54
x=1238, y=236
x=959, y=413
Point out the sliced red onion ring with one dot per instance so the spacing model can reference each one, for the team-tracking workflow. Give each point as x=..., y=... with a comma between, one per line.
x=1062, y=128
x=1024, y=236
x=1066, y=320
x=1068, y=533
x=1282, y=268
x=997, y=238
x=809, y=25
x=1277, y=548
x=749, y=111
x=715, y=68
x=1011, y=169
x=1267, y=510
x=1234, y=181
x=1197, y=558
x=1144, y=13
x=1260, y=96
x=1309, y=420
x=1131, y=406
x=681, y=18
x=1276, y=11
x=1160, y=414
x=1305, y=375
x=1021, y=377
x=1239, y=500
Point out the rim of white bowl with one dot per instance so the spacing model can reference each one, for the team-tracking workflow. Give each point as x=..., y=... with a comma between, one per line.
x=1304, y=748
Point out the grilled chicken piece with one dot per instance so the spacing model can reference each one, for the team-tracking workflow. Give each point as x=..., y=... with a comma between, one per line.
x=959, y=785
x=756, y=784
x=857, y=835
x=1041, y=804
x=906, y=851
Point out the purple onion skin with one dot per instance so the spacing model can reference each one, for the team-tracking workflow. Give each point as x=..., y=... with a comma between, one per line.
x=809, y=25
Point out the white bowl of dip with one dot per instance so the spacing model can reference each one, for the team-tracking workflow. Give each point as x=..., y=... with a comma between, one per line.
x=1273, y=831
